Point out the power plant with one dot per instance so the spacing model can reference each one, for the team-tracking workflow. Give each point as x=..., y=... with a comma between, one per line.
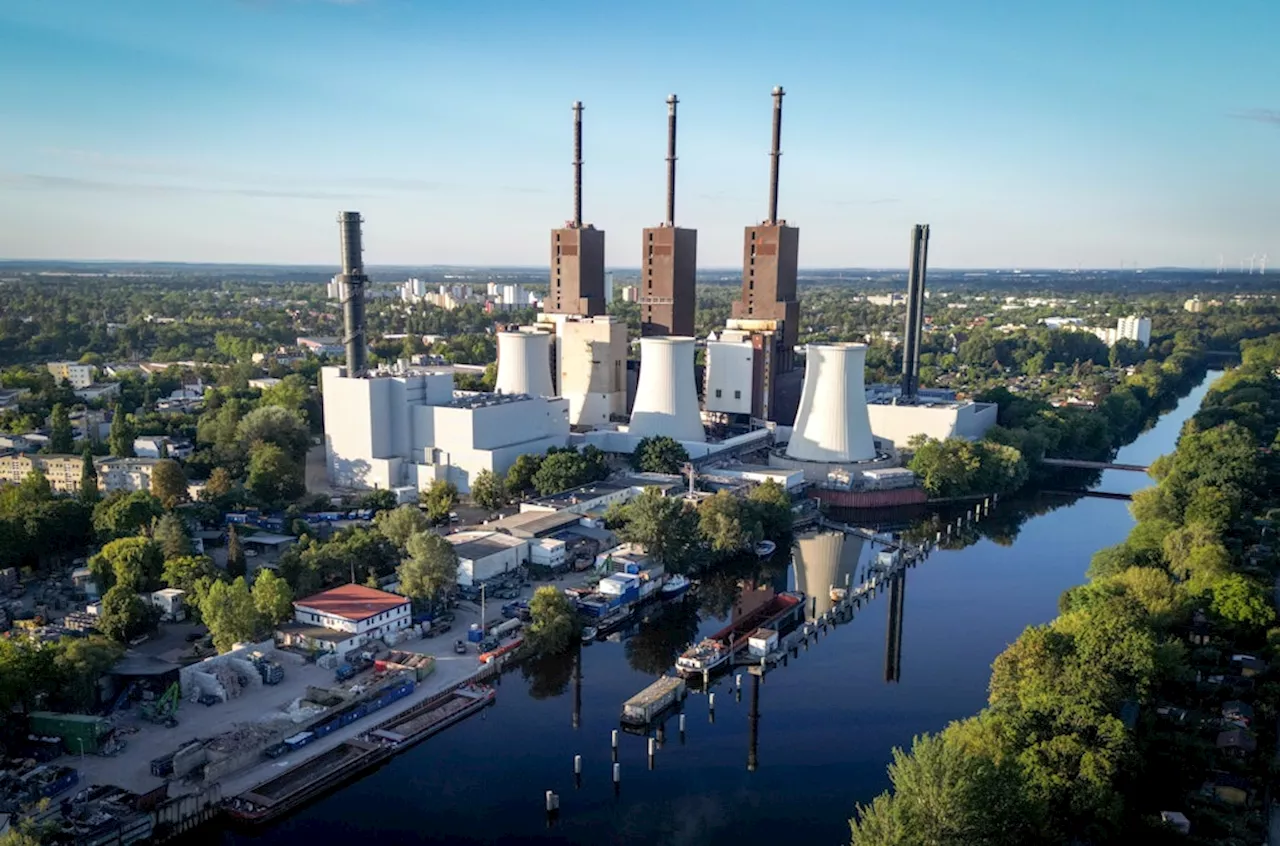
x=524, y=364
x=667, y=395
x=832, y=424
x=669, y=257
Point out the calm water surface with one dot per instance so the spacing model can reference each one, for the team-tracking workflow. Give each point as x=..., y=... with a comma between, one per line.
x=826, y=723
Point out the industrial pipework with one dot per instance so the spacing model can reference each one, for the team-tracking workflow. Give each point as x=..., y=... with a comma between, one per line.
x=353, y=280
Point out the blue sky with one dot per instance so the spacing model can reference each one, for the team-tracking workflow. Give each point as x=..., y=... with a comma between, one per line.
x=1028, y=134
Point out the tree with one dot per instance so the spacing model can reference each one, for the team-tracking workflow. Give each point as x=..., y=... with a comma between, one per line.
x=272, y=597
x=726, y=525
x=1243, y=602
x=439, y=500
x=122, y=514
x=134, y=563
x=553, y=622
x=80, y=664
x=274, y=477
x=561, y=471
x=430, y=568
x=237, y=564
x=378, y=501
x=170, y=533
x=772, y=507
x=169, y=483
x=659, y=454
x=520, y=474
x=400, y=524
x=123, y=615
x=487, y=491
x=229, y=612
x=942, y=796
x=120, y=437
x=666, y=529
x=219, y=484
x=61, y=437
x=281, y=427
x=183, y=572
x=88, y=477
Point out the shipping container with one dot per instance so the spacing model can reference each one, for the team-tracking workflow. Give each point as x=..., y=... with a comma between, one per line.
x=80, y=733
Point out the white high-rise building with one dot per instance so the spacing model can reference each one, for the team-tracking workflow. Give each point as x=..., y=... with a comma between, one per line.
x=1134, y=329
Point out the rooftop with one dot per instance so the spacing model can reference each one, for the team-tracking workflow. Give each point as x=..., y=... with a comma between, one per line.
x=477, y=545
x=530, y=524
x=480, y=400
x=352, y=602
x=586, y=493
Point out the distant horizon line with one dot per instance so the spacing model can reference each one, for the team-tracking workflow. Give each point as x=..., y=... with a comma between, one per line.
x=333, y=268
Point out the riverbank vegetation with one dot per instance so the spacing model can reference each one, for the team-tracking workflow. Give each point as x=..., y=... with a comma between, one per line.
x=1152, y=691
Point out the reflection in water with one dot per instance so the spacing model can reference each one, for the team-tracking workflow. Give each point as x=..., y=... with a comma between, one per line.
x=577, y=687
x=549, y=675
x=659, y=641
x=753, y=734
x=825, y=560
x=893, y=635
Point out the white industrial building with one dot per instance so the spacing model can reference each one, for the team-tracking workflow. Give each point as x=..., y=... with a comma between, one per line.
x=667, y=395
x=341, y=619
x=587, y=499
x=483, y=555
x=591, y=366
x=938, y=419
x=404, y=429
x=729, y=373
x=548, y=552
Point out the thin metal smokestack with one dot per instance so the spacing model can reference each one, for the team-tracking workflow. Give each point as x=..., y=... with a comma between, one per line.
x=353, y=281
x=671, y=159
x=577, y=164
x=775, y=154
x=915, y=311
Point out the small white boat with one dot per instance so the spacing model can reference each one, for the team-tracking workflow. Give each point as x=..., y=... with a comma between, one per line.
x=675, y=586
x=765, y=548
x=702, y=658
x=589, y=634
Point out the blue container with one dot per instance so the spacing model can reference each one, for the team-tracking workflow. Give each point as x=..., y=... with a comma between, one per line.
x=632, y=568
x=475, y=635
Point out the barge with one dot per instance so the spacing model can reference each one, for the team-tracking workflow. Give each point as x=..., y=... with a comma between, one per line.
x=714, y=652
x=649, y=704
x=284, y=793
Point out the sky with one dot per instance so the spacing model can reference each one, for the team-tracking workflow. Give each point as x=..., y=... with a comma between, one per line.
x=1090, y=133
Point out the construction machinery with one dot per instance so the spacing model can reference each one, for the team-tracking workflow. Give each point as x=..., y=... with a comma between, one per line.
x=161, y=711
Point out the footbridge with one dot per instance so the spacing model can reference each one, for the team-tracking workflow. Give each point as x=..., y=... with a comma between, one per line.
x=1092, y=465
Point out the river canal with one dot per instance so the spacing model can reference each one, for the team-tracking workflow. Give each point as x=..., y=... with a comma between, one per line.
x=826, y=723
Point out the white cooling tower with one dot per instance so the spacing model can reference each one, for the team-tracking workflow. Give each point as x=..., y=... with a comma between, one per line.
x=824, y=561
x=832, y=424
x=524, y=364
x=666, y=397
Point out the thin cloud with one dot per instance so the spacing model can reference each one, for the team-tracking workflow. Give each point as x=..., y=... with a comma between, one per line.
x=1271, y=116
x=49, y=182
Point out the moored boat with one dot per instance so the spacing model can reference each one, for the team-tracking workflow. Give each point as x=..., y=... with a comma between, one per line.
x=702, y=657
x=715, y=651
x=675, y=586
x=765, y=548
x=589, y=634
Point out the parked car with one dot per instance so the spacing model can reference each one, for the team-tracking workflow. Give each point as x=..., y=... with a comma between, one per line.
x=460, y=647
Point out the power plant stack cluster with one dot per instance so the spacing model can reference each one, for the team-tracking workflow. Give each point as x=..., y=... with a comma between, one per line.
x=401, y=428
